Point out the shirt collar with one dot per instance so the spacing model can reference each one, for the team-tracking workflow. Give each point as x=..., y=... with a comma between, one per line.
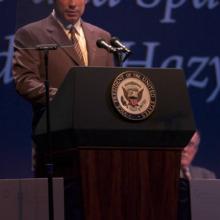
x=77, y=25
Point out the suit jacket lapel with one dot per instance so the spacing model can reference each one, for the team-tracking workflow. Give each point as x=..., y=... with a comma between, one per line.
x=91, y=39
x=58, y=35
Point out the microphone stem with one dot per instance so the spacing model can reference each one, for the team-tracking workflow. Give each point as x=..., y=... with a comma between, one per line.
x=118, y=58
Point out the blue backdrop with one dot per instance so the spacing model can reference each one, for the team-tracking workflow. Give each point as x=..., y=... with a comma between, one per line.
x=161, y=33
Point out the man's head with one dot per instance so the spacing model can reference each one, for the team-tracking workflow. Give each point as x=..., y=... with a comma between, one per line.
x=190, y=150
x=69, y=11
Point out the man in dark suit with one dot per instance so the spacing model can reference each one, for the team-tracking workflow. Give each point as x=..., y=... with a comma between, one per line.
x=77, y=47
x=28, y=68
x=76, y=42
x=189, y=172
x=187, y=169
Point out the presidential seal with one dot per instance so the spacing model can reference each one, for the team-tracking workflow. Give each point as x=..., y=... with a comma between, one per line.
x=133, y=95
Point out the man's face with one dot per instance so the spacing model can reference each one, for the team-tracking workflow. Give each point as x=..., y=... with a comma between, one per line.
x=190, y=150
x=69, y=11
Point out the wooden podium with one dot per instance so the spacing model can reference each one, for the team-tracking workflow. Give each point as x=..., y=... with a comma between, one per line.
x=129, y=170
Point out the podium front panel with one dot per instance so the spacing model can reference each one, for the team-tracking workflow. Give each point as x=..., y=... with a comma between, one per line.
x=82, y=113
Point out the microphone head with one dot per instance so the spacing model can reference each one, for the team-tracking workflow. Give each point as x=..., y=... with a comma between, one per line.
x=99, y=43
x=114, y=41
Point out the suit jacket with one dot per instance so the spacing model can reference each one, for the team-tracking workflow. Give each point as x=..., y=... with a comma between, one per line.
x=201, y=173
x=29, y=73
x=184, y=212
x=28, y=63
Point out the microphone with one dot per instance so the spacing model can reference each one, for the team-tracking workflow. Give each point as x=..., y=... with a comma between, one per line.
x=103, y=44
x=115, y=42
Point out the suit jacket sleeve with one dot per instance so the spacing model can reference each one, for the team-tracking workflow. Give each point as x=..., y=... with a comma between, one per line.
x=27, y=68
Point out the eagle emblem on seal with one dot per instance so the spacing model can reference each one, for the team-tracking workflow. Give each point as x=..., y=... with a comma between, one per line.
x=132, y=95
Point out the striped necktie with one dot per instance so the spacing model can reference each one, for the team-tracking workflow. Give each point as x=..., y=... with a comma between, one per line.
x=76, y=45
